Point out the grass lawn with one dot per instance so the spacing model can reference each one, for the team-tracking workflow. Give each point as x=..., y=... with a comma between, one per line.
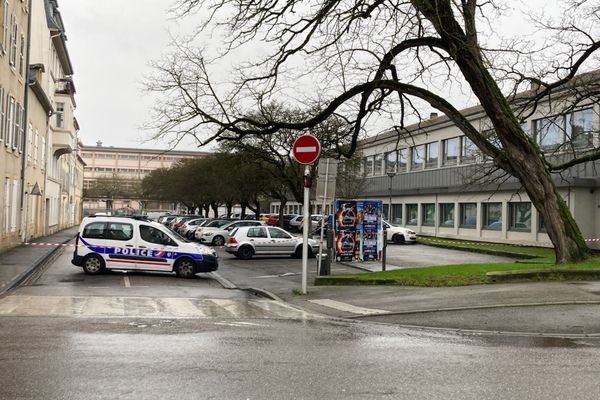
x=458, y=274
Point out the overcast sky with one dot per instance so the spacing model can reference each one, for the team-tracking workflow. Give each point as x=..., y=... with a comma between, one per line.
x=111, y=44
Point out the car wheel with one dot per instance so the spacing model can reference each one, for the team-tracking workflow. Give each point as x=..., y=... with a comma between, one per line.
x=93, y=264
x=218, y=241
x=245, y=253
x=184, y=268
x=398, y=239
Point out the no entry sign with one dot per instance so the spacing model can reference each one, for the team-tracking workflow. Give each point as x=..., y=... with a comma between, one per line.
x=306, y=149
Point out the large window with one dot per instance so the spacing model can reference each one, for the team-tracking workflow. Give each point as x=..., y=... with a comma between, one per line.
x=391, y=160
x=397, y=213
x=428, y=214
x=60, y=110
x=468, y=215
x=432, y=155
x=417, y=157
x=378, y=165
x=402, y=160
x=520, y=216
x=412, y=213
x=492, y=216
x=447, y=214
x=548, y=131
x=580, y=125
x=468, y=150
x=450, y=151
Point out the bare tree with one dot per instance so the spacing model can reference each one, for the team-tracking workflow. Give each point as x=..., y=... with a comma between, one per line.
x=374, y=58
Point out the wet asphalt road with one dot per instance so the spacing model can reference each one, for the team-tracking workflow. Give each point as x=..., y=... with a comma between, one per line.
x=153, y=336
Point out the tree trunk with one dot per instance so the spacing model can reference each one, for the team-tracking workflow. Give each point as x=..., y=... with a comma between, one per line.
x=281, y=208
x=215, y=208
x=229, y=207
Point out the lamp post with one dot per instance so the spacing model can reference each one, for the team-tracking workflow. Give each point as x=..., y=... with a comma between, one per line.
x=391, y=174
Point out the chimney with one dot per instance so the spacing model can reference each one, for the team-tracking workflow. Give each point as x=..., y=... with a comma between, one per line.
x=99, y=143
x=433, y=115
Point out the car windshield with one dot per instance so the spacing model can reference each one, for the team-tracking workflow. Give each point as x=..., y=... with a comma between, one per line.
x=392, y=224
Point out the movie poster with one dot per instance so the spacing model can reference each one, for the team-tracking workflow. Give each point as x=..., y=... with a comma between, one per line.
x=346, y=237
x=369, y=228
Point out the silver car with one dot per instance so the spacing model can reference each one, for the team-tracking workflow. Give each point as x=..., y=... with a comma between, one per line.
x=217, y=236
x=245, y=242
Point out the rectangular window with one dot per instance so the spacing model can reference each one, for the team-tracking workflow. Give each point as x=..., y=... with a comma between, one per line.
x=492, y=216
x=20, y=142
x=6, y=206
x=13, y=41
x=391, y=161
x=580, y=128
x=548, y=131
x=22, y=55
x=29, y=142
x=428, y=213
x=451, y=151
x=432, y=155
x=520, y=216
x=447, y=214
x=14, y=206
x=402, y=160
x=60, y=110
x=2, y=115
x=468, y=151
x=36, y=141
x=468, y=215
x=5, y=27
x=43, y=161
x=378, y=165
x=417, y=157
x=397, y=213
x=10, y=124
x=412, y=213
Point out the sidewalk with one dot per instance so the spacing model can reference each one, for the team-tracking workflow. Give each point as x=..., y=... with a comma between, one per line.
x=19, y=263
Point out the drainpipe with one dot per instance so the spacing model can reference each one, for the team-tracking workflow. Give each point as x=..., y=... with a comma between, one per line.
x=25, y=121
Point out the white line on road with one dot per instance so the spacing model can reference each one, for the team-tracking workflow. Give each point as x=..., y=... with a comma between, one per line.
x=126, y=280
x=338, y=305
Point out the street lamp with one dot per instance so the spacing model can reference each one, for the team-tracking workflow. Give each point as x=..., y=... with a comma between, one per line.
x=391, y=174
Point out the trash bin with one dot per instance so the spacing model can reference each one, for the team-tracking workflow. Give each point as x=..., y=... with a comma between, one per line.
x=325, y=265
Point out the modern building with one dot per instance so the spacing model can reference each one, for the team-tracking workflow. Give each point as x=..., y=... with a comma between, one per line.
x=118, y=167
x=434, y=180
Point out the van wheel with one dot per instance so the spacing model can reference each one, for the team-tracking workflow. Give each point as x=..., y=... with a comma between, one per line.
x=245, y=252
x=399, y=239
x=93, y=264
x=218, y=240
x=184, y=268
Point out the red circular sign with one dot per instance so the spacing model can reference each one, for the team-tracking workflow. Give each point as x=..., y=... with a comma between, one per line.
x=306, y=149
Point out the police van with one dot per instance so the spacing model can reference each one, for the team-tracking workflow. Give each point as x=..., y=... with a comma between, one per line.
x=122, y=243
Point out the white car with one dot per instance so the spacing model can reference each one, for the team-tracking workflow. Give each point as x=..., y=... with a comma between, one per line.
x=217, y=236
x=399, y=234
x=245, y=242
x=138, y=244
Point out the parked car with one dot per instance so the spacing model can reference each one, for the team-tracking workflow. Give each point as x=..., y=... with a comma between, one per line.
x=214, y=223
x=245, y=242
x=126, y=243
x=155, y=215
x=178, y=222
x=165, y=219
x=296, y=223
x=399, y=234
x=190, y=225
x=273, y=220
x=217, y=236
x=264, y=217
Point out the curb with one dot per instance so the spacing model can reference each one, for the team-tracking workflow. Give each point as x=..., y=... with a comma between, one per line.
x=38, y=264
x=545, y=274
x=501, y=253
x=227, y=284
x=265, y=293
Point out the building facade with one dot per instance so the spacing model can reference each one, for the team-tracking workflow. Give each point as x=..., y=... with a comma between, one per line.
x=116, y=167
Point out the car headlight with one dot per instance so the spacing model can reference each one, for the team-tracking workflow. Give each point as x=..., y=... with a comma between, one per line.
x=411, y=232
x=208, y=233
x=206, y=251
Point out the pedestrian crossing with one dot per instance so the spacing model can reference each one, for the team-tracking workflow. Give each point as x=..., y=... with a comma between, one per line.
x=146, y=307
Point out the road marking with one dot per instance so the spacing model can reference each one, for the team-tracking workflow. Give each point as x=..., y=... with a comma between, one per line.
x=126, y=281
x=338, y=305
x=146, y=307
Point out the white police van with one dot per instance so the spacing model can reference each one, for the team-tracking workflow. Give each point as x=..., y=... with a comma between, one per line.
x=138, y=244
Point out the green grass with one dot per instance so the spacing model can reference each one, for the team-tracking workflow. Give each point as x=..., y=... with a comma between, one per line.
x=461, y=274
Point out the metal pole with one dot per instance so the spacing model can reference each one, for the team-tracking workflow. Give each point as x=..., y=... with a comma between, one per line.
x=390, y=209
x=305, y=228
x=322, y=211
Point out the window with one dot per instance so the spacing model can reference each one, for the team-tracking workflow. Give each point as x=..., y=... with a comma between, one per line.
x=14, y=206
x=155, y=235
x=492, y=216
x=391, y=161
x=257, y=233
x=447, y=214
x=36, y=141
x=412, y=213
x=432, y=155
x=580, y=125
x=119, y=231
x=402, y=160
x=95, y=230
x=10, y=115
x=60, y=110
x=468, y=215
x=428, y=214
x=450, y=151
x=6, y=204
x=2, y=115
x=29, y=142
x=13, y=41
x=278, y=234
x=417, y=157
x=5, y=25
x=520, y=216
x=468, y=151
x=378, y=165
x=369, y=166
x=548, y=131
x=22, y=55
x=397, y=213
x=43, y=166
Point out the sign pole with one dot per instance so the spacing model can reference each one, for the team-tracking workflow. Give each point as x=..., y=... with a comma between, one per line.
x=305, y=229
x=322, y=221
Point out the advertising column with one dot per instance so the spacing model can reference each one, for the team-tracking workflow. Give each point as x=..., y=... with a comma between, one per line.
x=369, y=226
x=346, y=236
